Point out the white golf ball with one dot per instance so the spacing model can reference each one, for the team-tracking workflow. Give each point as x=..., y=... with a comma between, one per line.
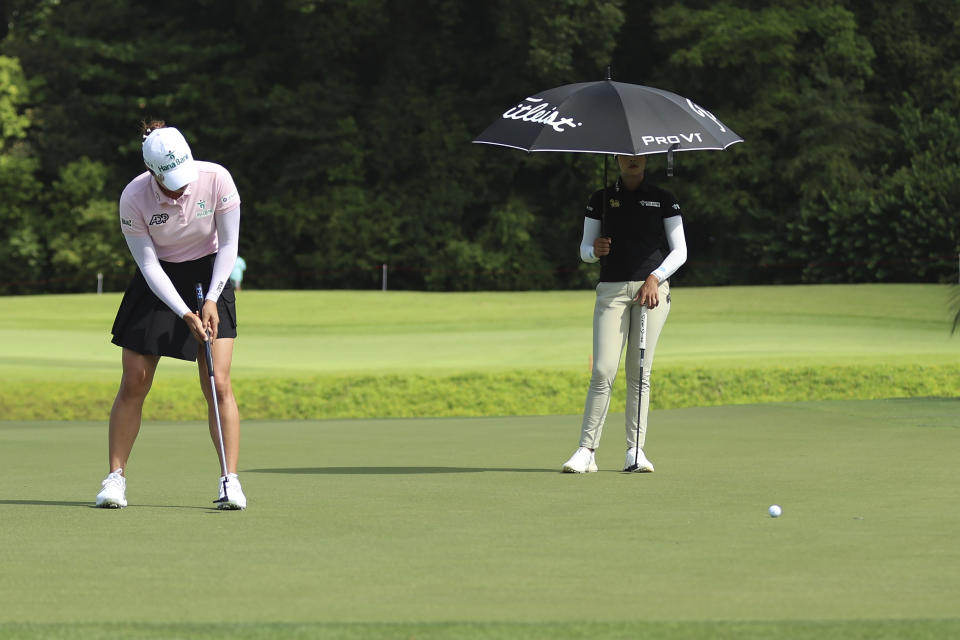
x=775, y=511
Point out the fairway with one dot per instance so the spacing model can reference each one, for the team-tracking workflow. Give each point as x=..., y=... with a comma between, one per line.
x=464, y=528
x=317, y=332
x=372, y=354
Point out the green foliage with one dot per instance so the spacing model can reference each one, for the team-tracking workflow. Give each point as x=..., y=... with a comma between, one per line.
x=90, y=243
x=791, y=77
x=502, y=257
x=13, y=95
x=58, y=238
x=49, y=233
x=347, y=126
x=21, y=252
x=901, y=224
x=561, y=33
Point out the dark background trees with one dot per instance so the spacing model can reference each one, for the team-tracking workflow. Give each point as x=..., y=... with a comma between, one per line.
x=347, y=125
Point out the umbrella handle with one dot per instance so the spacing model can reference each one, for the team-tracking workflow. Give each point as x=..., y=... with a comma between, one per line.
x=675, y=145
x=603, y=208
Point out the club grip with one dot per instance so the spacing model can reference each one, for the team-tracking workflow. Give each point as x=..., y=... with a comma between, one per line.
x=207, y=351
x=208, y=354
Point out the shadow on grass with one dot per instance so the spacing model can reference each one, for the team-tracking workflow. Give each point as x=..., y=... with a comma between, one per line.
x=49, y=503
x=89, y=504
x=390, y=470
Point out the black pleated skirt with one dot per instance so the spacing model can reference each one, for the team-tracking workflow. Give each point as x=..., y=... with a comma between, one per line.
x=146, y=325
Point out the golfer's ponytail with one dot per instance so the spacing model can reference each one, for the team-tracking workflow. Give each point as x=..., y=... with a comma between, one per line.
x=148, y=127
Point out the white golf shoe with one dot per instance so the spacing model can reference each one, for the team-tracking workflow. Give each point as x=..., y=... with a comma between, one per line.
x=113, y=495
x=582, y=461
x=231, y=494
x=637, y=462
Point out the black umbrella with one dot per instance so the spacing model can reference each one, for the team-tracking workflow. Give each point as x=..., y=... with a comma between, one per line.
x=608, y=117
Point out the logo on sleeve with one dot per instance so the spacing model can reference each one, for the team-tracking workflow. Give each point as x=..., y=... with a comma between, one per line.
x=202, y=211
x=127, y=222
x=159, y=218
x=226, y=199
x=676, y=206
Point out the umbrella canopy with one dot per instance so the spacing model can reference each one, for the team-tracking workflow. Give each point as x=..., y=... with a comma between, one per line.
x=608, y=117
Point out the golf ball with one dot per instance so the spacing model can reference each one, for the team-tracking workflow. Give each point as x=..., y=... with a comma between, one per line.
x=775, y=511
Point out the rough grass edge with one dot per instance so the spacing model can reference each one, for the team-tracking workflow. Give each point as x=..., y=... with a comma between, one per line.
x=517, y=393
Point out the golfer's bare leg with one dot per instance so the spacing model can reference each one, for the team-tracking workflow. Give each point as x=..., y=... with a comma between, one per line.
x=229, y=414
x=127, y=411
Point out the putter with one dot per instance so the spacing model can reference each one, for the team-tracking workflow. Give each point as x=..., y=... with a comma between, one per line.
x=643, y=350
x=213, y=393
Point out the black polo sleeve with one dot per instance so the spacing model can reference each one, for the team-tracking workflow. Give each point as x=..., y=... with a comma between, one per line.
x=670, y=206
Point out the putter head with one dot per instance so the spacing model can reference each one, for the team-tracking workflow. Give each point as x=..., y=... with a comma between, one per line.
x=225, y=497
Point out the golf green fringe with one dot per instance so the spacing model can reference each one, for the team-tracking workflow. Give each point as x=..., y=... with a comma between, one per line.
x=517, y=392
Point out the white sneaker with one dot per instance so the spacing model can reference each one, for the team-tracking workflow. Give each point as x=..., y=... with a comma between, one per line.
x=582, y=461
x=231, y=494
x=637, y=462
x=114, y=492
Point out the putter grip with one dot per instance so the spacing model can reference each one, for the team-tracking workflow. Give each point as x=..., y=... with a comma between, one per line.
x=199, y=290
x=207, y=352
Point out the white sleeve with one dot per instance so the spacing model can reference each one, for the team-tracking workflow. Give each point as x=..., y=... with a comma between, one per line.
x=145, y=254
x=228, y=238
x=591, y=231
x=678, y=248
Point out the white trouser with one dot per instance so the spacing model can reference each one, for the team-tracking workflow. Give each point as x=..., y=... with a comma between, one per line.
x=616, y=321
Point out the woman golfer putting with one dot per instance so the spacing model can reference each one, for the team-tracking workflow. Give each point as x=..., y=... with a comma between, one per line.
x=181, y=221
x=643, y=244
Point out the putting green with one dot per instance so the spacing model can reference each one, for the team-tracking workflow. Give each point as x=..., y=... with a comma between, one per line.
x=420, y=523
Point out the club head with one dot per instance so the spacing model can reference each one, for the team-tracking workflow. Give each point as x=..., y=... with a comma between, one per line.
x=225, y=497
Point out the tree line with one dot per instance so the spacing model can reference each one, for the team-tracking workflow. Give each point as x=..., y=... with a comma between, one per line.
x=347, y=125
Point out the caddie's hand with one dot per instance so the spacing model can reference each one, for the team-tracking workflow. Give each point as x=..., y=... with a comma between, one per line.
x=601, y=246
x=649, y=294
x=211, y=319
x=196, y=326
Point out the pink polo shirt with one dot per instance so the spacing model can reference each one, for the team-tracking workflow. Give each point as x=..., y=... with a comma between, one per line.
x=182, y=229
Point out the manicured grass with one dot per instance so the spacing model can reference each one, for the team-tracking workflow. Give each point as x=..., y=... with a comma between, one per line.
x=461, y=527
x=716, y=630
x=433, y=528
x=345, y=354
